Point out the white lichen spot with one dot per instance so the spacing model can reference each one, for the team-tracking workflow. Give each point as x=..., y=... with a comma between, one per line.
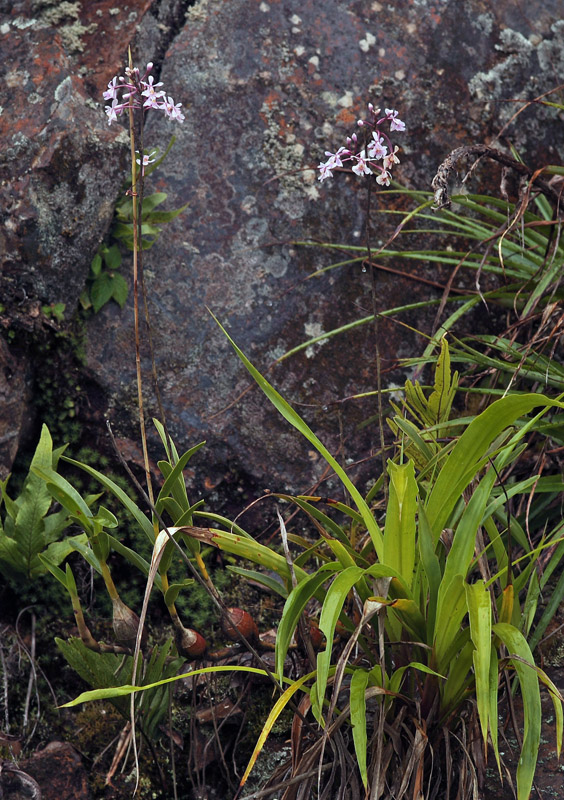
x=295, y=20
x=376, y=6
x=314, y=330
x=366, y=43
x=35, y=98
x=309, y=177
x=330, y=98
x=21, y=23
x=517, y=51
x=64, y=90
x=484, y=23
x=327, y=129
x=113, y=11
x=346, y=100
x=299, y=50
x=277, y=266
x=248, y=204
x=314, y=60
x=5, y=28
x=312, y=192
x=15, y=78
x=399, y=74
x=395, y=392
x=381, y=52
x=264, y=7
x=411, y=28
x=1, y=110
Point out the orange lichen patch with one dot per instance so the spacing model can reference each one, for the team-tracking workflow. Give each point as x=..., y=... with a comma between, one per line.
x=347, y=117
x=271, y=99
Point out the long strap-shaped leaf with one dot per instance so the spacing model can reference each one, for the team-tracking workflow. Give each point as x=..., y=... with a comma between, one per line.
x=461, y=465
x=297, y=422
x=532, y=710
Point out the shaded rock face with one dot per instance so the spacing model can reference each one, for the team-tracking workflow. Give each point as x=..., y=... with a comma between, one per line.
x=59, y=772
x=267, y=87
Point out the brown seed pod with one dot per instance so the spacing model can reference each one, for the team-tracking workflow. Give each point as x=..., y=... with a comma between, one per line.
x=242, y=624
x=189, y=643
x=125, y=623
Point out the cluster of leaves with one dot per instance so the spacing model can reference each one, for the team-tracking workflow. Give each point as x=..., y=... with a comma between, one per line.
x=31, y=527
x=424, y=614
x=515, y=254
x=94, y=660
x=105, y=281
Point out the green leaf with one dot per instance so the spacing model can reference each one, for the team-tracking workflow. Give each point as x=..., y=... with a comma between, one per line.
x=53, y=569
x=432, y=568
x=112, y=257
x=105, y=518
x=468, y=454
x=33, y=504
x=96, y=265
x=451, y=610
x=294, y=607
x=97, y=669
x=150, y=202
x=248, y=548
x=480, y=616
x=174, y=590
x=399, y=530
x=275, y=586
x=134, y=558
x=120, y=289
x=56, y=552
x=66, y=495
x=296, y=421
x=494, y=682
x=161, y=217
x=174, y=480
x=124, y=499
x=532, y=711
x=127, y=689
x=332, y=607
x=101, y=291
x=359, y=682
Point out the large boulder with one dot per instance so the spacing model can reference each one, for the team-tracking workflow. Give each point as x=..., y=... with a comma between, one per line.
x=267, y=87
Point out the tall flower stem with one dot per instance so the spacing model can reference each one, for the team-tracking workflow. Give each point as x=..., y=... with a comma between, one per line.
x=137, y=200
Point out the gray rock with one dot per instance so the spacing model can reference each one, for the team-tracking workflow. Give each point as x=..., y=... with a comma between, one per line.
x=267, y=87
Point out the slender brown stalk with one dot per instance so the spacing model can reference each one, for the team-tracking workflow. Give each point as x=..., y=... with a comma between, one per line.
x=136, y=219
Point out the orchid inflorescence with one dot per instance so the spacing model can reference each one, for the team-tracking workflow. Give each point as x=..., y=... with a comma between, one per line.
x=374, y=157
x=139, y=92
